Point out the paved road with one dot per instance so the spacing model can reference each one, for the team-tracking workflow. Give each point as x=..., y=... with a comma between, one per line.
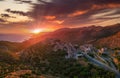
x=94, y=61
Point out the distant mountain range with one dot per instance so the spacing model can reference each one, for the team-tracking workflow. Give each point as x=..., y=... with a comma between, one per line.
x=102, y=36
x=108, y=36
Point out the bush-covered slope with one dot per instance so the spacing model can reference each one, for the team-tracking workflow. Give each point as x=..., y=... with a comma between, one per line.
x=111, y=41
x=46, y=61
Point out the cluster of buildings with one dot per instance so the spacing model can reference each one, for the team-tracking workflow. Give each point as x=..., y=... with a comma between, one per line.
x=74, y=50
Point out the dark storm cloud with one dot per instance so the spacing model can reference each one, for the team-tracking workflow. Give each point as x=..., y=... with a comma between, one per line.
x=69, y=12
x=27, y=1
x=72, y=10
x=6, y=16
x=60, y=7
x=57, y=7
x=24, y=1
x=99, y=2
x=17, y=12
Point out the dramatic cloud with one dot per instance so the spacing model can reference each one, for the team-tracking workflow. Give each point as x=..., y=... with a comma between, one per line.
x=6, y=16
x=61, y=13
x=24, y=1
x=69, y=12
x=60, y=7
x=17, y=12
x=73, y=12
x=50, y=17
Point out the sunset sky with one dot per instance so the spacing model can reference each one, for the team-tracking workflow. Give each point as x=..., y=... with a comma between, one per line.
x=23, y=16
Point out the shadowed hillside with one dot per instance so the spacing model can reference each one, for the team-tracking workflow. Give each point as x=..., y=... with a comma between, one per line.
x=111, y=41
x=11, y=46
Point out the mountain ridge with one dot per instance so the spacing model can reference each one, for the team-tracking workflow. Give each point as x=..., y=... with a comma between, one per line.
x=81, y=35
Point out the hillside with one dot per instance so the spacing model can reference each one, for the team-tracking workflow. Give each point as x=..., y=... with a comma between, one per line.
x=64, y=54
x=57, y=58
x=77, y=35
x=11, y=46
x=111, y=41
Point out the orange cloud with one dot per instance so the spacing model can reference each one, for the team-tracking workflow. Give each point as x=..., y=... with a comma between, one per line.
x=113, y=5
x=59, y=21
x=105, y=6
x=77, y=13
x=52, y=28
x=50, y=17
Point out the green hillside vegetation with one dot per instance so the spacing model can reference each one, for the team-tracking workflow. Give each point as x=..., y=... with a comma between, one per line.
x=45, y=61
x=41, y=60
x=9, y=63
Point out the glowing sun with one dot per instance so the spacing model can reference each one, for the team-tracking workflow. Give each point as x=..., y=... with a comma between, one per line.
x=37, y=31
